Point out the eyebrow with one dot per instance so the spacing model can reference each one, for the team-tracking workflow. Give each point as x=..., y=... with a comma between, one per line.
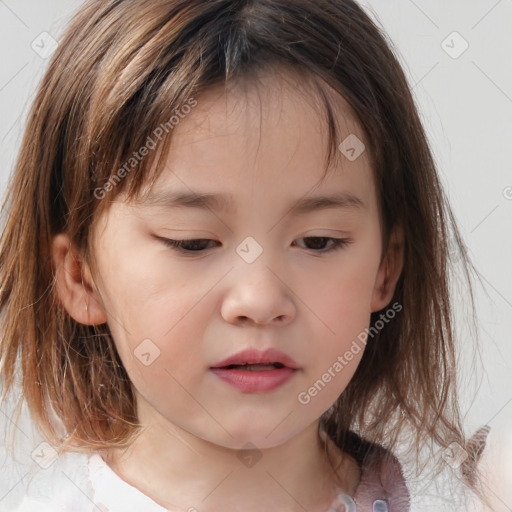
x=224, y=203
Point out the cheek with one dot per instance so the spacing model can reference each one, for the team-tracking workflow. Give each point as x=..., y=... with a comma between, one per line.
x=150, y=310
x=163, y=358
x=342, y=301
x=342, y=295
x=142, y=290
x=159, y=329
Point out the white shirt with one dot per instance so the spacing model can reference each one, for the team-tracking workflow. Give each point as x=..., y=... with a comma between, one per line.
x=79, y=483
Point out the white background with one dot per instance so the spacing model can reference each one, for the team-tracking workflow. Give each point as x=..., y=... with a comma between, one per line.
x=466, y=105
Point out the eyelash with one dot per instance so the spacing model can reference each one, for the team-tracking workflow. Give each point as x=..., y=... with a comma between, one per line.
x=177, y=245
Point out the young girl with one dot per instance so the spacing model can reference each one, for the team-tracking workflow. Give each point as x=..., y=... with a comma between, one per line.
x=255, y=316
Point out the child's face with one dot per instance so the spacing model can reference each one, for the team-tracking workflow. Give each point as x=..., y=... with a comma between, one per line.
x=266, y=150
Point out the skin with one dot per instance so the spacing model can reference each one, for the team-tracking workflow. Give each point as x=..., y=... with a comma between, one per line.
x=254, y=144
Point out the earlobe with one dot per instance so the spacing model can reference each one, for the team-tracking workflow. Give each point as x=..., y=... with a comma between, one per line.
x=74, y=285
x=389, y=272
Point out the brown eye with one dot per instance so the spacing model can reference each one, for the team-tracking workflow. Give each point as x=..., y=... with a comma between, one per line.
x=317, y=242
x=200, y=245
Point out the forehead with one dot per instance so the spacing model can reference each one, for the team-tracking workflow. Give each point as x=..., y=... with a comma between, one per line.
x=269, y=98
x=272, y=126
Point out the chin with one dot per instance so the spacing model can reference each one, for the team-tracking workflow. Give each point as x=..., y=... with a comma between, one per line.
x=262, y=435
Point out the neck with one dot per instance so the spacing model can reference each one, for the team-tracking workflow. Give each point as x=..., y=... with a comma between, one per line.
x=184, y=472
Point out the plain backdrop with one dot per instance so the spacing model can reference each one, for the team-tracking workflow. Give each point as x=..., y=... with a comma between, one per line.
x=457, y=57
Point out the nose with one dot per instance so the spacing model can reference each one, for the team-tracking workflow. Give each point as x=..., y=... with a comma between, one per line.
x=258, y=296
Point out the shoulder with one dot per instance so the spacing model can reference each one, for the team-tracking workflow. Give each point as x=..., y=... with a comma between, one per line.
x=112, y=493
x=60, y=484
x=33, y=476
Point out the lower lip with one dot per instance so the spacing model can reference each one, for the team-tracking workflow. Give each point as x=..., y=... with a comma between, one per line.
x=255, y=381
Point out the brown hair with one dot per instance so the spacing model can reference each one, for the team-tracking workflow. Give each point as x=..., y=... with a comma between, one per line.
x=121, y=68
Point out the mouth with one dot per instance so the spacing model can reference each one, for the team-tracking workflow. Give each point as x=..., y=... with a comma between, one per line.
x=253, y=371
x=256, y=367
x=256, y=360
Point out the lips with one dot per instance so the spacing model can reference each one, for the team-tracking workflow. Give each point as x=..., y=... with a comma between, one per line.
x=254, y=371
x=254, y=360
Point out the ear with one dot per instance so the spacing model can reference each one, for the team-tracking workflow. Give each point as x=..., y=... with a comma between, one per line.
x=74, y=284
x=389, y=271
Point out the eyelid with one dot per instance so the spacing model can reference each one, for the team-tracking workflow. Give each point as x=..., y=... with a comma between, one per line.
x=176, y=245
